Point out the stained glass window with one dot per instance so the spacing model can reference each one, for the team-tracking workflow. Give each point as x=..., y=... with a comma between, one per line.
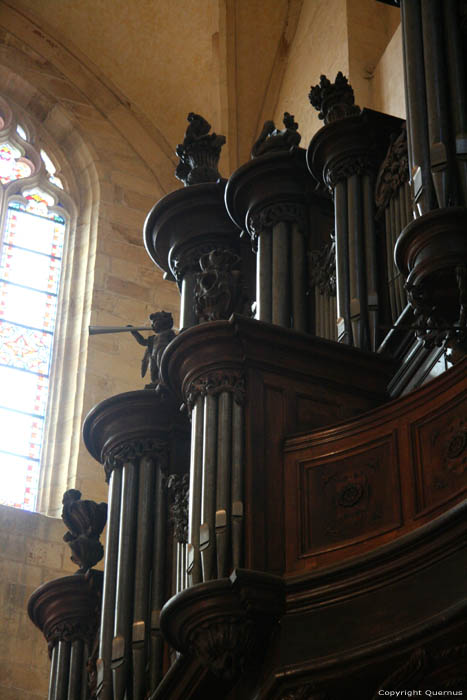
x=30, y=265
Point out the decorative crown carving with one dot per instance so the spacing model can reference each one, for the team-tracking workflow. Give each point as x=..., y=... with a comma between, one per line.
x=85, y=521
x=272, y=139
x=199, y=153
x=333, y=101
x=219, y=290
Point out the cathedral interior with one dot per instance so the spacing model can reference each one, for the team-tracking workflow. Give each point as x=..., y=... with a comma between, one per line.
x=233, y=426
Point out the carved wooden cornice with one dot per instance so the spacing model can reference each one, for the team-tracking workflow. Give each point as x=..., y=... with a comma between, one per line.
x=132, y=425
x=431, y=253
x=67, y=609
x=273, y=187
x=184, y=222
x=226, y=624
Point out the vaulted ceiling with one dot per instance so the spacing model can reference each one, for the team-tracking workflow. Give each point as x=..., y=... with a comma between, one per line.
x=144, y=64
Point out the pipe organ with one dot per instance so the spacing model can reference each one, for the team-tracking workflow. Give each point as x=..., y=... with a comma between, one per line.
x=296, y=529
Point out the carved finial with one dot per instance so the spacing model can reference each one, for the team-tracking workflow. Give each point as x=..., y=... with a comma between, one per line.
x=199, y=153
x=272, y=139
x=333, y=100
x=85, y=521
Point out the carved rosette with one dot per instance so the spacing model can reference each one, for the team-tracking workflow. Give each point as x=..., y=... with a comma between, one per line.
x=322, y=269
x=133, y=451
x=393, y=172
x=67, y=609
x=215, y=383
x=226, y=624
x=178, y=489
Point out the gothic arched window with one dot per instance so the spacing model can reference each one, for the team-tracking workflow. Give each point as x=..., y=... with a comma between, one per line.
x=34, y=223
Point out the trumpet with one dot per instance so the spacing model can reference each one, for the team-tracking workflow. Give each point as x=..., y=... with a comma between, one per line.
x=97, y=330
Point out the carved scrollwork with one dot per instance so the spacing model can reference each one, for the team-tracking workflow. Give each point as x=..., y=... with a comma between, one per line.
x=272, y=139
x=226, y=646
x=134, y=450
x=71, y=631
x=85, y=521
x=187, y=259
x=199, y=153
x=343, y=168
x=267, y=217
x=333, y=101
x=178, y=488
x=214, y=383
x=322, y=269
x=393, y=172
x=219, y=290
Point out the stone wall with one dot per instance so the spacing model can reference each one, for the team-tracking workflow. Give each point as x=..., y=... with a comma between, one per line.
x=32, y=552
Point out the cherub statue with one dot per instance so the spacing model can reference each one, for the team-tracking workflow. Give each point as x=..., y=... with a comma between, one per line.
x=161, y=322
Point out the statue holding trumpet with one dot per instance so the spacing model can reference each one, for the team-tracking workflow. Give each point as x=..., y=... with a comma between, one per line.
x=161, y=324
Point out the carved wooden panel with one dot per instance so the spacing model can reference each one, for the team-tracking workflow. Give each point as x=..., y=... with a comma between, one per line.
x=347, y=498
x=440, y=455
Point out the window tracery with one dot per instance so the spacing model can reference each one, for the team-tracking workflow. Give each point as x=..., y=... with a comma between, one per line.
x=34, y=222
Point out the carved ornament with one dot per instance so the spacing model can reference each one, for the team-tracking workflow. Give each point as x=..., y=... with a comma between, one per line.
x=85, y=521
x=199, y=153
x=186, y=260
x=161, y=322
x=440, y=670
x=322, y=269
x=333, y=101
x=134, y=450
x=215, y=383
x=342, y=168
x=226, y=623
x=219, y=290
x=393, y=172
x=178, y=488
x=272, y=139
x=267, y=217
